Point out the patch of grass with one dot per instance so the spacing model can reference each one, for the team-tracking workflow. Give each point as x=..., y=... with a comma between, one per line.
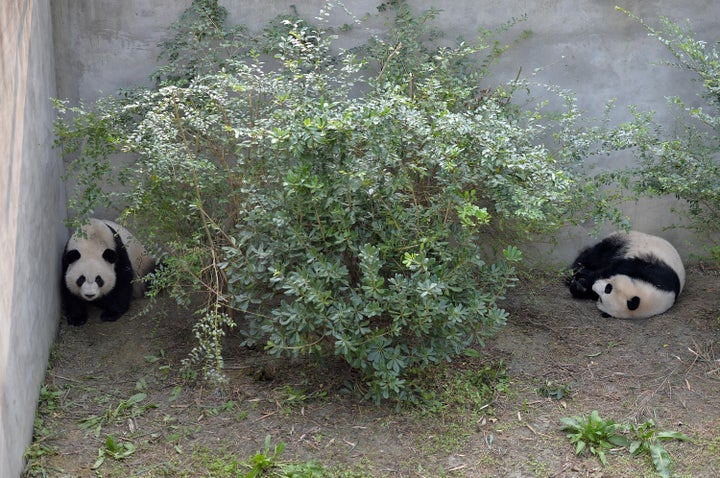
x=292, y=398
x=471, y=390
x=554, y=390
x=129, y=408
x=539, y=468
x=266, y=463
x=449, y=439
x=38, y=451
x=217, y=462
x=358, y=470
x=456, y=403
x=35, y=457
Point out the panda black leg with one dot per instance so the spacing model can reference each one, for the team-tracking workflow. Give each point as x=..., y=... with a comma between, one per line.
x=109, y=317
x=111, y=314
x=116, y=305
x=580, y=286
x=77, y=317
x=75, y=310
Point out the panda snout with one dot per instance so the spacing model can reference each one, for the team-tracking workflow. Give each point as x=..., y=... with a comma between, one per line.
x=90, y=291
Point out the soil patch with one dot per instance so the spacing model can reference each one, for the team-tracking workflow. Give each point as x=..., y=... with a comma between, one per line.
x=122, y=380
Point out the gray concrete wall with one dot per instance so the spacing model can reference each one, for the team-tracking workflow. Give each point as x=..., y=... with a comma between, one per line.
x=32, y=206
x=582, y=45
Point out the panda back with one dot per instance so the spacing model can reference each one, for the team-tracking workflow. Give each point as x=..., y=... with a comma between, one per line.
x=93, y=238
x=142, y=262
x=660, y=258
x=651, y=270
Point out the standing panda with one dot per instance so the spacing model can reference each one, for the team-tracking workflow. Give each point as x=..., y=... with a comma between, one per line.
x=631, y=275
x=102, y=265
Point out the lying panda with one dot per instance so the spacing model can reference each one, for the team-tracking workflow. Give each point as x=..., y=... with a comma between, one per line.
x=631, y=275
x=100, y=266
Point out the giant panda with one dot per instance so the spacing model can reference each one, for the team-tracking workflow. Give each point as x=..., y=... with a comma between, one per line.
x=631, y=275
x=101, y=265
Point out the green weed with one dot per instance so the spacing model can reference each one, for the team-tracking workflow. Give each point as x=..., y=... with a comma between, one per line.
x=597, y=436
x=117, y=450
x=129, y=408
x=645, y=439
x=266, y=463
x=593, y=434
x=557, y=391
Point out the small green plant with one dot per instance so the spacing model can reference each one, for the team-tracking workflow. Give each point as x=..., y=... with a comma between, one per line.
x=554, y=390
x=596, y=435
x=112, y=448
x=266, y=464
x=593, y=434
x=125, y=409
x=49, y=397
x=645, y=439
x=262, y=461
x=35, y=455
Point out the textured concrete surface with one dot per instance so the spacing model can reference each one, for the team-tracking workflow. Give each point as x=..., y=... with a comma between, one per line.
x=32, y=206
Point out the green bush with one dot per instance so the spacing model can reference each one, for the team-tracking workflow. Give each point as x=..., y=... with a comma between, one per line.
x=353, y=204
x=683, y=161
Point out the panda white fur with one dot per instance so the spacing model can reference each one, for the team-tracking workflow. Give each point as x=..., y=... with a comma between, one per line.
x=100, y=266
x=631, y=275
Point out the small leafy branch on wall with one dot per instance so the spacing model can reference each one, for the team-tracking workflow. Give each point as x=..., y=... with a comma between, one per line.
x=353, y=204
x=683, y=162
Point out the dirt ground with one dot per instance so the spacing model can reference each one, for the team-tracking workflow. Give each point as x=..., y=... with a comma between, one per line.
x=666, y=368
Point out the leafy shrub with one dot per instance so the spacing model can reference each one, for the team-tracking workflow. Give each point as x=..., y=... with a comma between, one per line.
x=684, y=162
x=351, y=204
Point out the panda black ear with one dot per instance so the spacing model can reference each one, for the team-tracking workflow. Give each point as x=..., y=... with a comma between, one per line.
x=110, y=256
x=633, y=303
x=72, y=256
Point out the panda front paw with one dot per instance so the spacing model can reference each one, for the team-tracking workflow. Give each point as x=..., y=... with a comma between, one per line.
x=76, y=319
x=109, y=316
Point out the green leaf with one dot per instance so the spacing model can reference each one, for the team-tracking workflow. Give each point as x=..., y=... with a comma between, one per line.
x=175, y=393
x=137, y=398
x=672, y=436
x=661, y=459
x=619, y=440
x=580, y=447
x=601, y=455
x=570, y=423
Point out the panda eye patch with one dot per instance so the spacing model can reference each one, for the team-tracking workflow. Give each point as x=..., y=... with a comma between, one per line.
x=80, y=281
x=608, y=288
x=99, y=281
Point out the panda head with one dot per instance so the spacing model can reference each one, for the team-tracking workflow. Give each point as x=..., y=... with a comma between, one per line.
x=623, y=297
x=90, y=271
